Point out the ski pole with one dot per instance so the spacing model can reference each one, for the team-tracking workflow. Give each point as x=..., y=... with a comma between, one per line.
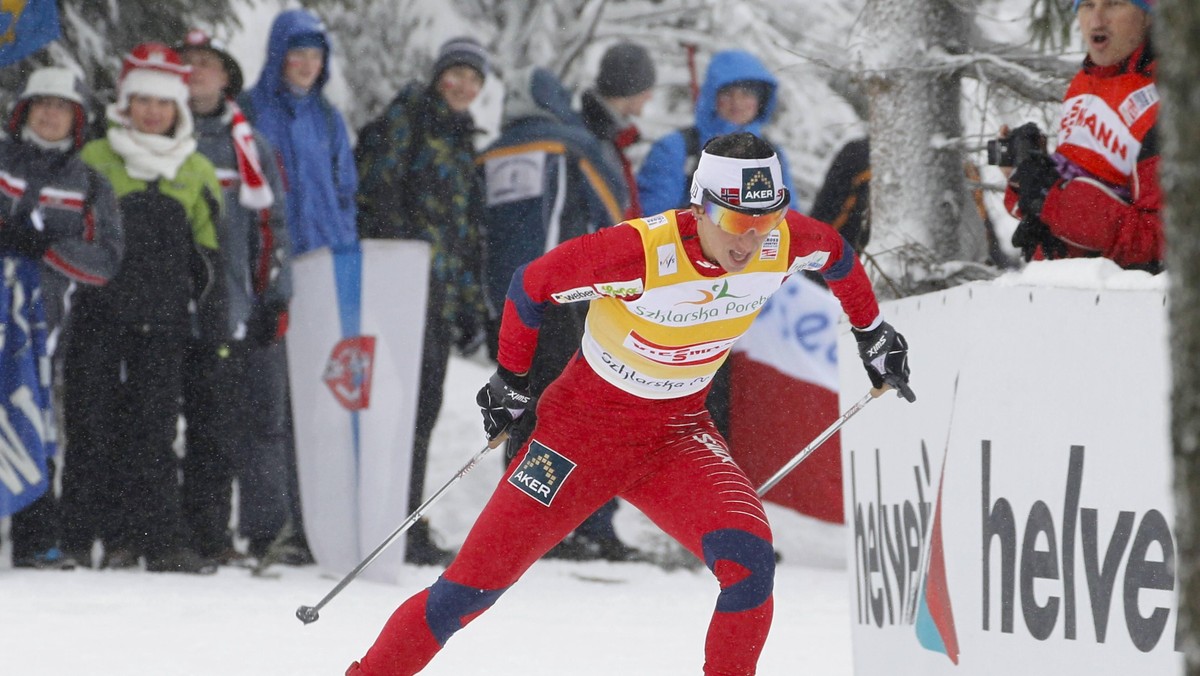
x=821, y=438
x=309, y=614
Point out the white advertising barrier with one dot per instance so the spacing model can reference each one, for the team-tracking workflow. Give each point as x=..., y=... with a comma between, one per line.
x=354, y=358
x=1017, y=519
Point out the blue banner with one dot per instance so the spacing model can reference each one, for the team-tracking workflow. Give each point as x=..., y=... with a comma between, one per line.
x=25, y=27
x=26, y=426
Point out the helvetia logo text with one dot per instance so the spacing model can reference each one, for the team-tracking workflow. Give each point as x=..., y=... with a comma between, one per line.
x=1122, y=556
x=899, y=564
x=348, y=372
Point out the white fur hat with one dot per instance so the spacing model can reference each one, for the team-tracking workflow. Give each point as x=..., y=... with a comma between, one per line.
x=154, y=69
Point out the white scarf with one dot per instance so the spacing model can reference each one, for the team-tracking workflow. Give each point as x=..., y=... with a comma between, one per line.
x=149, y=157
x=61, y=145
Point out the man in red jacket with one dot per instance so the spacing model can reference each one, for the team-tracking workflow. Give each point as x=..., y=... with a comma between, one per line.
x=1098, y=194
x=668, y=296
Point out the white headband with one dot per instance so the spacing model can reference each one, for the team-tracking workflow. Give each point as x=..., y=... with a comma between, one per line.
x=752, y=184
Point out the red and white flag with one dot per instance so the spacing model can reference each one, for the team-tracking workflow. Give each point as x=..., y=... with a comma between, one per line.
x=784, y=393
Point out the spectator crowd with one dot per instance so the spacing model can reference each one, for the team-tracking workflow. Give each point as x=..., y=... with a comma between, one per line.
x=152, y=259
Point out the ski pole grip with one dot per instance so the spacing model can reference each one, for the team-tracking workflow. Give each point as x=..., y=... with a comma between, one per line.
x=500, y=438
x=877, y=392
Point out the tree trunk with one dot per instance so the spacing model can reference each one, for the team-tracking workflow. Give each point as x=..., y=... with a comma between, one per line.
x=1177, y=38
x=918, y=194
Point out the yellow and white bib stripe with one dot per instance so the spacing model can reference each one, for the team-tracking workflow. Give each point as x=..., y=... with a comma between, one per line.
x=669, y=341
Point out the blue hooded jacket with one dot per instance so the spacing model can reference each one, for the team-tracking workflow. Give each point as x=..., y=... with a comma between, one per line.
x=663, y=183
x=310, y=137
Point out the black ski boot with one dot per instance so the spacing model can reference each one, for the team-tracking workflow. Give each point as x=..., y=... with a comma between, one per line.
x=421, y=550
x=182, y=560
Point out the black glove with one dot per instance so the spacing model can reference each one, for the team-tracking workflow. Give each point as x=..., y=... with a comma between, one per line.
x=505, y=397
x=18, y=235
x=267, y=323
x=470, y=334
x=1032, y=179
x=1031, y=233
x=885, y=356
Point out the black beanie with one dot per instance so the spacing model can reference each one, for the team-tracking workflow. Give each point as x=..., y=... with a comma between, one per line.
x=198, y=39
x=461, y=51
x=625, y=70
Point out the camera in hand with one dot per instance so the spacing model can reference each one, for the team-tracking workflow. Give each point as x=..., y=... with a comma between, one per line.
x=1020, y=143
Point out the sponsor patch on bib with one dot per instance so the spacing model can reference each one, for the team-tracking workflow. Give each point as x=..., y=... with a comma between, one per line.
x=633, y=287
x=575, y=295
x=656, y=220
x=668, y=260
x=770, y=247
x=813, y=261
x=1138, y=103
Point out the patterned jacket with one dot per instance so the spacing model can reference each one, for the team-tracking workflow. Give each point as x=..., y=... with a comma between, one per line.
x=417, y=181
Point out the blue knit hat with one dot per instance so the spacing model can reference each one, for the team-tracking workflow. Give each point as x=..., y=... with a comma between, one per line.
x=1144, y=5
x=462, y=51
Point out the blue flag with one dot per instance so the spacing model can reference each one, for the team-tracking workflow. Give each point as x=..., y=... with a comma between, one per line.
x=25, y=26
x=26, y=425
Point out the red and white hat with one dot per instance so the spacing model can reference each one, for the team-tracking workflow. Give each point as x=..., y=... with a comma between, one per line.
x=153, y=69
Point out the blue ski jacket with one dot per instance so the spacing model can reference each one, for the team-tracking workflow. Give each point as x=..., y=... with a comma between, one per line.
x=663, y=180
x=310, y=136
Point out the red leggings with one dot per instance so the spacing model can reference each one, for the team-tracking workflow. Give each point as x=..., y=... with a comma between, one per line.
x=592, y=443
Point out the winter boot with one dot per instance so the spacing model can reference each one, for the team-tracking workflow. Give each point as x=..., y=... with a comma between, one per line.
x=421, y=550
x=119, y=559
x=51, y=559
x=574, y=547
x=182, y=560
x=612, y=549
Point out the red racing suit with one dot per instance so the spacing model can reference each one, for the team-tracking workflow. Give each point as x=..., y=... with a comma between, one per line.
x=1107, y=203
x=626, y=418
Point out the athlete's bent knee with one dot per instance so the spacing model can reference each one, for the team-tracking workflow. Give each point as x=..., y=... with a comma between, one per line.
x=451, y=605
x=744, y=565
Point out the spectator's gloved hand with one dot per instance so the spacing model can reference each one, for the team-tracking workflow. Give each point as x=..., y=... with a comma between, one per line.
x=885, y=355
x=1032, y=179
x=470, y=334
x=20, y=236
x=267, y=324
x=1031, y=233
x=505, y=397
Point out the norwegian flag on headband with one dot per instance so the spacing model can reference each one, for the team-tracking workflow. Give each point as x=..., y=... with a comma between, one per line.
x=731, y=196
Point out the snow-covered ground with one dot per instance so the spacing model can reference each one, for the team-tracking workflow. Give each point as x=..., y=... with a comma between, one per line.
x=573, y=619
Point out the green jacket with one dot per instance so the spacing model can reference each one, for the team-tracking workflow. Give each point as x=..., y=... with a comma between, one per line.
x=171, y=251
